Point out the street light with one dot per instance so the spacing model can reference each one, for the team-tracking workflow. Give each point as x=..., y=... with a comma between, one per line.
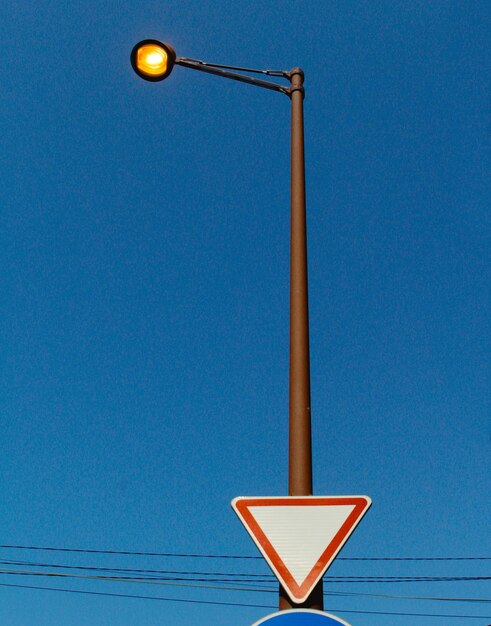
x=153, y=60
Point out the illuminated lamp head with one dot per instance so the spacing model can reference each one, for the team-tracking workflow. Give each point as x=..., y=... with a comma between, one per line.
x=152, y=60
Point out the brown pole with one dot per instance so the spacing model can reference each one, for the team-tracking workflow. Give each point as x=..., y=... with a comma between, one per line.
x=300, y=442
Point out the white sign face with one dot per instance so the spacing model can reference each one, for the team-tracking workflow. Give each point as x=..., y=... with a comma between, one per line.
x=300, y=536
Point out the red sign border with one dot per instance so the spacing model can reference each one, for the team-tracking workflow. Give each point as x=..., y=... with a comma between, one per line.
x=299, y=593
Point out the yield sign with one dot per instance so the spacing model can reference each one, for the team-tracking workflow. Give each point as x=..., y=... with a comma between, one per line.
x=300, y=536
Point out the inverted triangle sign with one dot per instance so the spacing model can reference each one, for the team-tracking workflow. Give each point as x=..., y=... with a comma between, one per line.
x=300, y=536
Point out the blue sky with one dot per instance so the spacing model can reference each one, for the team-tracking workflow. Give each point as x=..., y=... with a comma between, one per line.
x=144, y=319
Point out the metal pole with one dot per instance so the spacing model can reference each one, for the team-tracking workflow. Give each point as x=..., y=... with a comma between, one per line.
x=300, y=443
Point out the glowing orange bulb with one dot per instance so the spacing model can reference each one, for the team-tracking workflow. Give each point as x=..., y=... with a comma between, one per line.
x=152, y=60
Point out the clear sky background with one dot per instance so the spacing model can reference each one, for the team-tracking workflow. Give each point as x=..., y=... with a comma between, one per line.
x=144, y=300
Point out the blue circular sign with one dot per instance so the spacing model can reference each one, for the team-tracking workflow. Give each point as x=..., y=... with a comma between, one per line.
x=301, y=617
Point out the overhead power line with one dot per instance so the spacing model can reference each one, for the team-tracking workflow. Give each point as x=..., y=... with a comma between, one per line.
x=155, y=580
x=414, y=558
x=245, y=577
x=133, y=570
x=406, y=597
x=161, y=579
x=267, y=589
x=234, y=556
x=131, y=552
x=330, y=593
x=127, y=595
x=180, y=581
x=266, y=606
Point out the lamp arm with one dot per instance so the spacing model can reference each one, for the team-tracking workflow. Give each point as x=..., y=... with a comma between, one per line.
x=218, y=71
x=283, y=73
